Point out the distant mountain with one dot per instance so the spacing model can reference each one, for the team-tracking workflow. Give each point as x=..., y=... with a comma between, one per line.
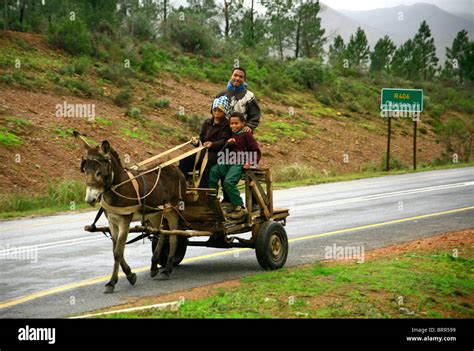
x=336, y=23
x=444, y=25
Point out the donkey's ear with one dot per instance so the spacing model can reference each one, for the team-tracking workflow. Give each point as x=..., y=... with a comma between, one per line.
x=105, y=147
x=82, y=141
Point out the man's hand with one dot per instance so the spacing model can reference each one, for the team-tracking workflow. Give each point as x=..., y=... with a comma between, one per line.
x=195, y=141
x=207, y=144
x=247, y=129
x=231, y=141
x=247, y=166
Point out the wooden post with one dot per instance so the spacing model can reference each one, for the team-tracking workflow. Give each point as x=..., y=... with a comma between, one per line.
x=248, y=198
x=269, y=191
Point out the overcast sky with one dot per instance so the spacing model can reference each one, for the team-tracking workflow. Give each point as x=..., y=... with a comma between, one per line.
x=455, y=6
x=448, y=5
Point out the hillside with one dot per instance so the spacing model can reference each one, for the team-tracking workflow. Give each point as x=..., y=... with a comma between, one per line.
x=36, y=146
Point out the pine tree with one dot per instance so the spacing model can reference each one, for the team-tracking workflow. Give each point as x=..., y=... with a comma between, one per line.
x=425, y=58
x=403, y=61
x=247, y=27
x=337, y=52
x=460, y=57
x=280, y=24
x=381, y=57
x=309, y=33
x=358, y=50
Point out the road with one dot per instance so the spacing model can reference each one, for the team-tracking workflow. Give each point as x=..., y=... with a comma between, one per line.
x=59, y=270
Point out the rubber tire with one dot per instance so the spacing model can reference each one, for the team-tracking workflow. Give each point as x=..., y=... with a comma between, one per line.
x=180, y=251
x=262, y=246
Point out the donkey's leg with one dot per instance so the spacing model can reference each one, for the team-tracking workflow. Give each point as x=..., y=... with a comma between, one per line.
x=123, y=224
x=173, y=219
x=156, y=223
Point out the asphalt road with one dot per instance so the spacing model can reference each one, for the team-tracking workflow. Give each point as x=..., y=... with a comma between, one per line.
x=52, y=268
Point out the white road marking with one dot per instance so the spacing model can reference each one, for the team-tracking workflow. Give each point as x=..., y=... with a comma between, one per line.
x=380, y=196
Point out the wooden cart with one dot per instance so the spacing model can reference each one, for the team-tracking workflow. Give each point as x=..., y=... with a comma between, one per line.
x=204, y=216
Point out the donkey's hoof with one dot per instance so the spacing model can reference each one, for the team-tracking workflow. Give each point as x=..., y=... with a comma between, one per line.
x=132, y=278
x=164, y=276
x=153, y=272
x=109, y=289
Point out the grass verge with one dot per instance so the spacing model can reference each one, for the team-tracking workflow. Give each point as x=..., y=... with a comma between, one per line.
x=60, y=196
x=426, y=281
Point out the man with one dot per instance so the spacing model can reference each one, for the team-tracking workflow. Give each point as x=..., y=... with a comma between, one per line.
x=241, y=99
x=244, y=101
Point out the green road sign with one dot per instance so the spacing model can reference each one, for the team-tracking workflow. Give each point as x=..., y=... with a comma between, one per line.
x=403, y=100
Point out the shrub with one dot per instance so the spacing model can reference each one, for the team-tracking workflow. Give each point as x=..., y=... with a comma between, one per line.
x=81, y=65
x=133, y=112
x=307, y=73
x=395, y=163
x=294, y=171
x=162, y=103
x=78, y=86
x=71, y=36
x=123, y=98
x=354, y=107
x=152, y=59
x=190, y=34
x=115, y=74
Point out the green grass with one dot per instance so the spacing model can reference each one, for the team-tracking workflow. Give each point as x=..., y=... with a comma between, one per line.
x=60, y=196
x=43, y=211
x=9, y=139
x=430, y=283
x=291, y=130
x=368, y=127
x=18, y=122
x=103, y=121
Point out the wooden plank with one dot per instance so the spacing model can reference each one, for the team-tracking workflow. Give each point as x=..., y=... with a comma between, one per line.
x=151, y=230
x=260, y=199
x=269, y=191
x=259, y=187
x=248, y=198
x=156, y=157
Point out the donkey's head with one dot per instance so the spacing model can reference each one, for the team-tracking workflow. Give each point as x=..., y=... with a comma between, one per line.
x=97, y=166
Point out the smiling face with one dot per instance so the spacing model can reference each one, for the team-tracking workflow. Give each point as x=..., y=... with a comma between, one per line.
x=237, y=78
x=236, y=124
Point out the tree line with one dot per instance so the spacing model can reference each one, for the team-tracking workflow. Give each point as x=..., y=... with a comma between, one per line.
x=286, y=29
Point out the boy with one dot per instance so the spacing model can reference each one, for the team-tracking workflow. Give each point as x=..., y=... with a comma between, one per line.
x=215, y=131
x=242, y=153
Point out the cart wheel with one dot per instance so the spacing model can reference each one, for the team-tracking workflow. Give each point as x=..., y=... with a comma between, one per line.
x=180, y=251
x=272, y=245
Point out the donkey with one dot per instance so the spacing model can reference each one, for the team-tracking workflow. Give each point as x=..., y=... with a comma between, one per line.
x=103, y=170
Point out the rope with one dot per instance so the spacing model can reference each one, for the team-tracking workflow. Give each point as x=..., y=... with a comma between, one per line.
x=138, y=198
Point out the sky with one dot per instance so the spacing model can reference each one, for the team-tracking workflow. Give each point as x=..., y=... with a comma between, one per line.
x=453, y=6
x=448, y=5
